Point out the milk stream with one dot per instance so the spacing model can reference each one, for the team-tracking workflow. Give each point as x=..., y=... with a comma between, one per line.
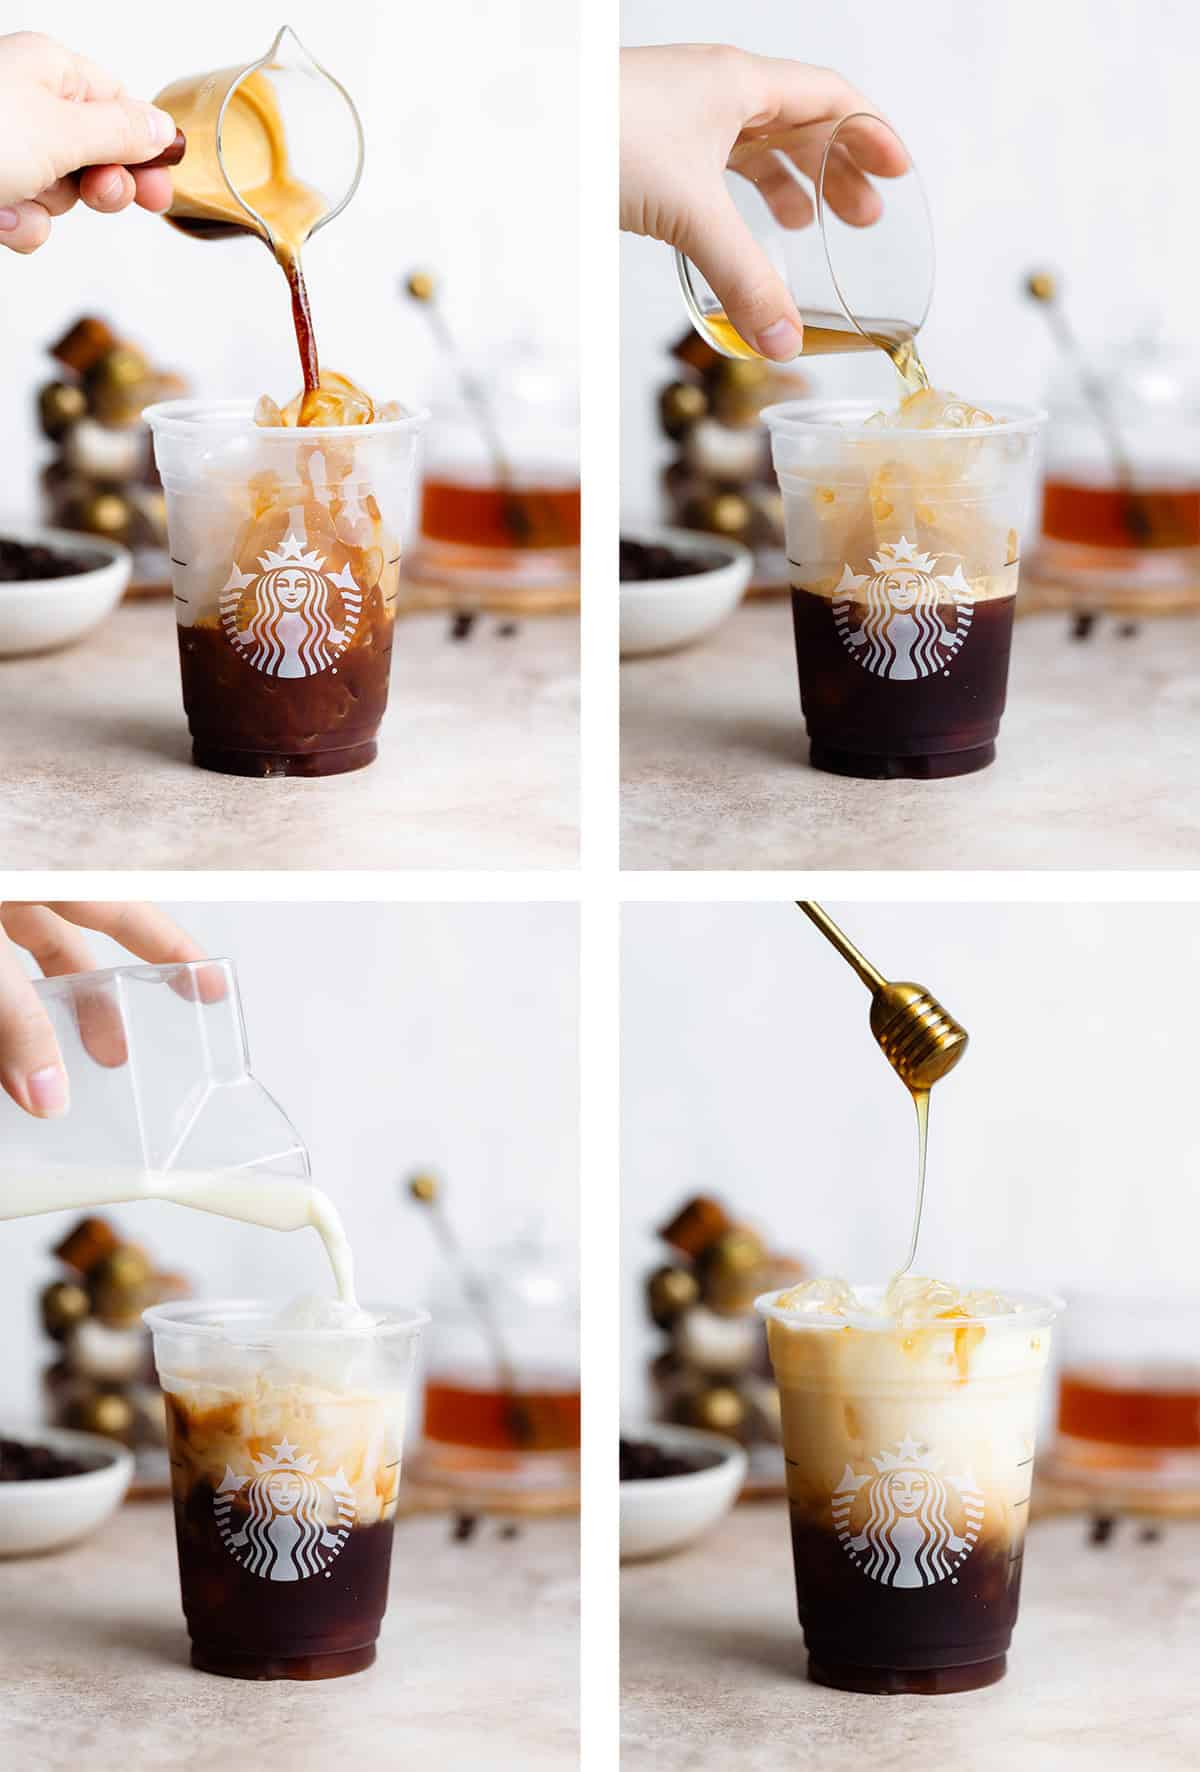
x=277, y=1203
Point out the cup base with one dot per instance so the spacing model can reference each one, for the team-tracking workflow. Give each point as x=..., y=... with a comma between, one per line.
x=867, y=766
x=263, y=763
x=929, y=1681
x=330, y=1666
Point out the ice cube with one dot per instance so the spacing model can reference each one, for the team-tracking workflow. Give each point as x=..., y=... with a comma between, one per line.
x=337, y=402
x=987, y=1304
x=829, y=1296
x=912, y=1299
x=931, y=409
x=266, y=412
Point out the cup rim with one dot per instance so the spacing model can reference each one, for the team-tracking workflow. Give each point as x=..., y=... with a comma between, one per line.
x=188, y=415
x=1037, y=1310
x=817, y=415
x=188, y=1315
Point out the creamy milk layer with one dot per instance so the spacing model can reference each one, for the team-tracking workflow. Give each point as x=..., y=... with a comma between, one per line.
x=937, y=1388
x=330, y=1406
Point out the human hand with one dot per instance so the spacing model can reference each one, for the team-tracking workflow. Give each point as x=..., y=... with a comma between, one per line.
x=689, y=111
x=67, y=130
x=31, y=1068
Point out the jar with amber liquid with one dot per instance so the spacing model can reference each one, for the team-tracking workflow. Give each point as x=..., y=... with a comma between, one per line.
x=1120, y=516
x=501, y=1400
x=500, y=529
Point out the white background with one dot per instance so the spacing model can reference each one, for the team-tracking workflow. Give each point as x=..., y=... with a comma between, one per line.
x=1056, y=131
x=471, y=118
x=1065, y=1147
x=395, y=1037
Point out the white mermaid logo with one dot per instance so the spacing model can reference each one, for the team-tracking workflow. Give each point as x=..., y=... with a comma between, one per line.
x=897, y=1526
x=900, y=633
x=283, y=1535
x=290, y=631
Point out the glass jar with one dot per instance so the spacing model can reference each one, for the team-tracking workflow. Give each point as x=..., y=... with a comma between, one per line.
x=1128, y=1417
x=501, y=1388
x=501, y=531
x=1120, y=521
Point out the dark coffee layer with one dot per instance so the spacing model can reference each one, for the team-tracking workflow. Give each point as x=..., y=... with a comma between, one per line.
x=863, y=721
x=245, y=722
x=250, y=1626
x=865, y=1635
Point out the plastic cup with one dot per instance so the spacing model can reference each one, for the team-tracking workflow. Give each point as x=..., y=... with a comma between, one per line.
x=909, y=1459
x=285, y=552
x=903, y=550
x=285, y=1452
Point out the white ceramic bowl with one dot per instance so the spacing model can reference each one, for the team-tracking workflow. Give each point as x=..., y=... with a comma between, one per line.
x=37, y=615
x=49, y=1511
x=659, y=614
x=660, y=1514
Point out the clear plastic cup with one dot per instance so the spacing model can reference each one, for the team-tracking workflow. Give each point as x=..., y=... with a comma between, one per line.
x=285, y=552
x=285, y=1448
x=909, y=1460
x=903, y=551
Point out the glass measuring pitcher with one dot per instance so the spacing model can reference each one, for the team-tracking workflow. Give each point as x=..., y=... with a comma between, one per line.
x=274, y=148
x=162, y=1100
x=863, y=277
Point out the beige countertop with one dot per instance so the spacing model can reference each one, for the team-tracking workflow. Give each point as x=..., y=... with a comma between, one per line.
x=1101, y=1677
x=1096, y=761
x=478, y=759
x=477, y=1666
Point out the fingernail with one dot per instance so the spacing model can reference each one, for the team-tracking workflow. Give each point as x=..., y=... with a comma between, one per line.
x=48, y=1090
x=9, y=219
x=111, y=188
x=781, y=341
x=162, y=126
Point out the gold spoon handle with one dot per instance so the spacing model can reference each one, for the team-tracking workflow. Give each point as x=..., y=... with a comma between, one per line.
x=874, y=981
x=1044, y=289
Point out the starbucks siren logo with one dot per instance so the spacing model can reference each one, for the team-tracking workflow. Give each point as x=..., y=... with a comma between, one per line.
x=284, y=1537
x=899, y=1526
x=291, y=632
x=901, y=634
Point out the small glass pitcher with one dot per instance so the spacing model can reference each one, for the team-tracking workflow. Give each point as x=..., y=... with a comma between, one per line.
x=274, y=148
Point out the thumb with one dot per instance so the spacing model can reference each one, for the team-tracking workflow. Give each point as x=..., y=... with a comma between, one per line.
x=31, y=1068
x=753, y=295
x=109, y=132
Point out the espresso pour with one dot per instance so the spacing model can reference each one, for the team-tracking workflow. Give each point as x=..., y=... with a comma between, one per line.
x=237, y=175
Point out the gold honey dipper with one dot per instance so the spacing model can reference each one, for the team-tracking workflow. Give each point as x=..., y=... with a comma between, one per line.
x=920, y=1040
x=421, y=288
x=1043, y=287
x=426, y=1190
